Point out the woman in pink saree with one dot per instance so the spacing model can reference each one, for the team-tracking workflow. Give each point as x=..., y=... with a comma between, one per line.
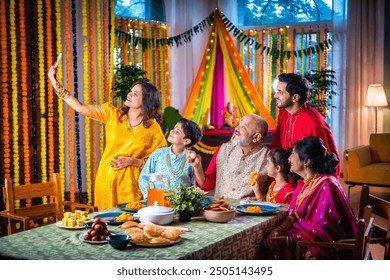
x=319, y=209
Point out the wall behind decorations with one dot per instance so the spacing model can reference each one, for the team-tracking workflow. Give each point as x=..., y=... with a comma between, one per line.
x=386, y=78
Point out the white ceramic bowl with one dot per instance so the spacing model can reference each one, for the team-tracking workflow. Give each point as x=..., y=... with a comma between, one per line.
x=159, y=215
x=219, y=216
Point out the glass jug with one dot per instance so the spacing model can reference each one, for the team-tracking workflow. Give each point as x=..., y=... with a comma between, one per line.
x=157, y=188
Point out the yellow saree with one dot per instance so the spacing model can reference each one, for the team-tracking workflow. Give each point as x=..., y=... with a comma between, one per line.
x=118, y=186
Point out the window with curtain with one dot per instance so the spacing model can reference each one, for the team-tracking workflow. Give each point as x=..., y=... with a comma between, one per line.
x=285, y=36
x=138, y=25
x=142, y=10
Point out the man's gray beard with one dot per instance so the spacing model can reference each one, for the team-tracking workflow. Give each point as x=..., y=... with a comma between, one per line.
x=246, y=142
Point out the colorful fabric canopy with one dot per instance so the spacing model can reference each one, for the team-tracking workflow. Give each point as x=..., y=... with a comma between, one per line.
x=221, y=65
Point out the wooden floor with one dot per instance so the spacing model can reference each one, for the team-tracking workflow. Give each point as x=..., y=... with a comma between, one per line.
x=377, y=250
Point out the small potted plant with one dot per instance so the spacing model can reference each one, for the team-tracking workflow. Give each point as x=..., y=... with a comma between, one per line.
x=186, y=200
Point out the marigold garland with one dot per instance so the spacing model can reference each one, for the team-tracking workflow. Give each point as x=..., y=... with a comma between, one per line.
x=42, y=93
x=262, y=66
x=92, y=99
x=310, y=44
x=25, y=100
x=42, y=97
x=50, y=105
x=278, y=39
x=86, y=89
x=140, y=61
x=133, y=45
x=76, y=95
x=325, y=61
x=5, y=91
x=270, y=77
x=112, y=43
x=106, y=86
x=205, y=151
x=69, y=109
x=318, y=58
x=256, y=63
x=302, y=60
x=163, y=71
x=14, y=94
x=122, y=42
x=285, y=49
x=99, y=66
x=293, y=58
x=61, y=127
x=157, y=61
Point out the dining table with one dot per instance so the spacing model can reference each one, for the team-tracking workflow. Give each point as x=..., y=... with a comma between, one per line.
x=239, y=238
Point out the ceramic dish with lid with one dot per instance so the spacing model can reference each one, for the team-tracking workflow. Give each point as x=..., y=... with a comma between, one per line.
x=160, y=215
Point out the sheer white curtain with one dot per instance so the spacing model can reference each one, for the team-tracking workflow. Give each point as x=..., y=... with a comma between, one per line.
x=364, y=66
x=185, y=60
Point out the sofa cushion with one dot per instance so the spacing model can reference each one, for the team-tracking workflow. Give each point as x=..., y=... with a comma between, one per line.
x=374, y=174
x=380, y=147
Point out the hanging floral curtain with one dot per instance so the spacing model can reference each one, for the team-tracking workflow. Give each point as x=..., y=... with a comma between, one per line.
x=136, y=44
x=40, y=133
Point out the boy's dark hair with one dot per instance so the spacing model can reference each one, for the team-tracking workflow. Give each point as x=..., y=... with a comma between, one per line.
x=191, y=131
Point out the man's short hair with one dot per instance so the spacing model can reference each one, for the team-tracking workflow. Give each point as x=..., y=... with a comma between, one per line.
x=296, y=84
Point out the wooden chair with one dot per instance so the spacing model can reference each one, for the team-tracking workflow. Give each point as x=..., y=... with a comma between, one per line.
x=359, y=246
x=381, y=208
x=53, y=207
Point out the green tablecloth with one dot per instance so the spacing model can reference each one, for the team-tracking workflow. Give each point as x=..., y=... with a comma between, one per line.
x=238, y=239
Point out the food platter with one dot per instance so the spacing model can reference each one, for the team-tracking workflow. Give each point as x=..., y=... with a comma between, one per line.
x=109, y=218
x=122, y=206
x=265, y=209
x=156, y=244
x=81, y=237
x=59, y=224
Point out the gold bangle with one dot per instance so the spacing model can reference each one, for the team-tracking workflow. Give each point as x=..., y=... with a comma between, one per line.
x=66, y=95
x=60, y=88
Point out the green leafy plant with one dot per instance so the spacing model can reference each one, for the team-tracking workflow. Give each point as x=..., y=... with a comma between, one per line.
x=124, y=78
x=186, y=198
x=321, y=84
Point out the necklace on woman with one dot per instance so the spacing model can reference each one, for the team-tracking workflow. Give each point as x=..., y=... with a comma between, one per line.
x=130, y=127
x=309, y=184
x=175, y=173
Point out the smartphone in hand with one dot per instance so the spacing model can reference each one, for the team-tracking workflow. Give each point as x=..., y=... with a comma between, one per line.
x=58, y=60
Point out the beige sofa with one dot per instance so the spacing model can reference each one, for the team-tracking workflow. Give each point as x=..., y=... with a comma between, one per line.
x=368, y=164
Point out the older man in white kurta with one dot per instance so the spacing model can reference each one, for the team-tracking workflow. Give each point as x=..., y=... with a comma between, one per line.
x=234, y=168
x=235, y=161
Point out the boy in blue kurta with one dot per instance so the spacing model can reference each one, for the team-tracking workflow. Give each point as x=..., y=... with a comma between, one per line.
x=171, y=161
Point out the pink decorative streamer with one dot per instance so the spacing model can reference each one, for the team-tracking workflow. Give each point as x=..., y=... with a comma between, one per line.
x=217, y=99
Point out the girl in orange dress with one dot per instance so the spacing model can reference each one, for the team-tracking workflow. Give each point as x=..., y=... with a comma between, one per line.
x=278, y=167
x=132, y=133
